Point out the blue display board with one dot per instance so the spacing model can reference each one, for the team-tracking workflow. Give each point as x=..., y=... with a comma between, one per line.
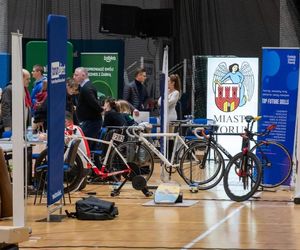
x=5, y=60
x=57, y=58
x=278, y=103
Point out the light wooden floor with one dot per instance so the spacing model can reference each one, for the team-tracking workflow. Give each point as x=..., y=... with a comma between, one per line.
x=270, y=221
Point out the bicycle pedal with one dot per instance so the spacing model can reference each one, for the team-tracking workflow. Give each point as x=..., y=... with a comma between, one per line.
x=148, y=194
x=114, y=193
x=194, y=188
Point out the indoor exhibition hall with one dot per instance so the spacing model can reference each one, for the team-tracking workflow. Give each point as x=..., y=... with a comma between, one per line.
x=162, y=124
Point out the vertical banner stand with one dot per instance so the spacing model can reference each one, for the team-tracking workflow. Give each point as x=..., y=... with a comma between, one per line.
x=17, y=135
x=296, y=155
x=278, y=104
x=57, y=58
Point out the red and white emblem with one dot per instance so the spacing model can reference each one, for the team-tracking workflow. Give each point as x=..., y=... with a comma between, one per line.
x=227, y=97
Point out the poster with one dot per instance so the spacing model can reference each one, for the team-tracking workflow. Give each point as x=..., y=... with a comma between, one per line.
x=103, y=72
x=278, y=102
x=56, y=101
x=232, y=94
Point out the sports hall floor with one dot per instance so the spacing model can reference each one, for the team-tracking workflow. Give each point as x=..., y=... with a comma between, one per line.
x=271, y=220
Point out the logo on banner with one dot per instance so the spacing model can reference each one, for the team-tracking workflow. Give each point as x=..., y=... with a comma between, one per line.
x=108, y=59
x=58, y=72
x=233, y=86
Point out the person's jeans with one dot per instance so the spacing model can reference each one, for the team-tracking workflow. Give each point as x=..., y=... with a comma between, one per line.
x=91, y=128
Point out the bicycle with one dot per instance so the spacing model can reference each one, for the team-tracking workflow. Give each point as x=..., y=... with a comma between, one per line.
x=141, y=139
x=243, y=173
x=128, y=170
x=207, y=168
x=209, y=174
x=265, y=151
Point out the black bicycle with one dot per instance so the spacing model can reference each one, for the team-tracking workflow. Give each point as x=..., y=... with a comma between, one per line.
x=208, y=170
x=243, y=172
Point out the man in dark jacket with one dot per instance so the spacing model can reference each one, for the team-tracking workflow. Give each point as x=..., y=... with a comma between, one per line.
x=135, y=92
x=88, y=109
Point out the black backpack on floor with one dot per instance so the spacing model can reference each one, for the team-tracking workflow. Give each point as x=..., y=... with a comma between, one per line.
x=92, y=208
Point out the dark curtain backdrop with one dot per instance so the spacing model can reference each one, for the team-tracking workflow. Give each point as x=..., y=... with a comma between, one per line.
x=294, y=10
x=222, y=27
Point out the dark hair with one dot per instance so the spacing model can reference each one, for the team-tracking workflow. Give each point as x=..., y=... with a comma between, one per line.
x=39, y=67
x=68, y=116
x=176, y=79
x=231, y=66
x=138, y=71
x=112, y=103
x=71, y=83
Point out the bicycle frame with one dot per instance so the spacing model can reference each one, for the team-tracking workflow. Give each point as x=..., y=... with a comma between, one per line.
x=101, y=172
x=142, y=137
x=209, y=139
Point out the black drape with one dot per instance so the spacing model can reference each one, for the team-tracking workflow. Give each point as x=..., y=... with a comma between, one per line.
x=222, y=27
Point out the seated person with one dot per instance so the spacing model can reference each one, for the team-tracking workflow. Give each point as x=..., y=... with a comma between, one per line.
x=112, y=115
x=126, y=110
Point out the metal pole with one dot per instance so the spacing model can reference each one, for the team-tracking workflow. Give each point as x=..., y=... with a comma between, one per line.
x=193, y=87
x=184, y=75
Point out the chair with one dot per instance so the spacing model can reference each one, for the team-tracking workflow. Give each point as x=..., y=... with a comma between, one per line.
x=197, y=121
x=42, y=170
x=154, y=121
x=99, y=150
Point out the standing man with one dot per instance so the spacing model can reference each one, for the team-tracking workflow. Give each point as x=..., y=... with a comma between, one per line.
x=37, y=74
x=135, y=92
x=88, y=108
x=6, y=103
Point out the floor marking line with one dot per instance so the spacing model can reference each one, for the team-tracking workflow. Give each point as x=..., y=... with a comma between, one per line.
x=211, y=229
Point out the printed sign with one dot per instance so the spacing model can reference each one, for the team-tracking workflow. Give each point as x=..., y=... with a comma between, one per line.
x=278, y=102
x=56, y=100
x=103, y=72
x=232, y=93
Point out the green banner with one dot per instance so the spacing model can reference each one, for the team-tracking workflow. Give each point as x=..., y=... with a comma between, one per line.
x=103, y=72
x=36, y=53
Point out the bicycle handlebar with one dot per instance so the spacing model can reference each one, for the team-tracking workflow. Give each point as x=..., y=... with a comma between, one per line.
x=267, y=130
x=250, y=118
x=132, y=131
x=200, y=130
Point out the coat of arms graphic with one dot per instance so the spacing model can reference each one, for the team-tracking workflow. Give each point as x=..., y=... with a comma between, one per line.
x=233, y=86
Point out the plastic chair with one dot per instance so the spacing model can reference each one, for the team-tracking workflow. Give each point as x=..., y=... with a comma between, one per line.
x=42, y=170
x=203, y=121
x=200, y=121
x=99, y=150
x=154, y=121
x=7, y=134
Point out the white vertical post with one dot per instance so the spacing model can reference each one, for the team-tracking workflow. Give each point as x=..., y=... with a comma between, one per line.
x=17, y=131
x=165, y=70
x=142, y=62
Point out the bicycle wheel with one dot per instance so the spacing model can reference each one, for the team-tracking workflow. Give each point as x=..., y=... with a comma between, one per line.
x=203, y=165
x=179, y=154
x=182, y=149
x=275, y=172
x=74, y=176
x=138, y=157
x=241, y=186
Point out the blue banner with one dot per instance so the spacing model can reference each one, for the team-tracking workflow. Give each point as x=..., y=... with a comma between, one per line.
x=4, y=69
x=278, y=103
x=57, y=58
